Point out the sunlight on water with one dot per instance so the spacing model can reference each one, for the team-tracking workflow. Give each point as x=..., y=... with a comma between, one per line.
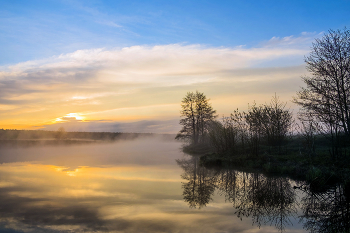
x=133, y=186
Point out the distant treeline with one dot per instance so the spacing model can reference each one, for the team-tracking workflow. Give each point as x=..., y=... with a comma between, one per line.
x=61, y=134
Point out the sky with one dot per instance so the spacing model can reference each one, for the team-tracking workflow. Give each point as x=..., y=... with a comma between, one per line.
x=124, y=66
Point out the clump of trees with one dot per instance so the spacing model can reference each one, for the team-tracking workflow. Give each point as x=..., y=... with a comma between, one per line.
x=325, y=111
x=242, y=132
x=245, y=132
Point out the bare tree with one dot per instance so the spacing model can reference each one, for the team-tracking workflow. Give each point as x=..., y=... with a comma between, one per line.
x=327, y=91
x=277, y=122
x=254, y=118
x=244, y=132
x=268, y=123
x=223, y=135
x=308, y=129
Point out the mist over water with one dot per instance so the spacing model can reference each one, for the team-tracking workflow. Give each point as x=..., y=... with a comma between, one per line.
x=145, y=151
x=126, y=186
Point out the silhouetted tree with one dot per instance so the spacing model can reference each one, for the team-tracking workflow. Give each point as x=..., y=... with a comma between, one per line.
x=254, y=118
x=327, y=91
x=277, y=122
x=242, y=129
x=268, y=123
x=197, y=113
x=223, y=136
x=308, y=130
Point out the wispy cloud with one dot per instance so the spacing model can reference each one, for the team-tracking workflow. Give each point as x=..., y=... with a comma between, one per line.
x=116, y=84
x=98, y=16
x=302, y=41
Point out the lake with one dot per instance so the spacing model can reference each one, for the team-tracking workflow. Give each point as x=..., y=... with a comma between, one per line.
x=149, y=185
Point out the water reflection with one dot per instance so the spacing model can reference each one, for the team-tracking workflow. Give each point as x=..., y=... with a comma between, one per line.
x=268, y=200
x=93, y=188
x=327, y=211
x=46, y=198
x=136, y=187
x=123, y=187
x=201, y=182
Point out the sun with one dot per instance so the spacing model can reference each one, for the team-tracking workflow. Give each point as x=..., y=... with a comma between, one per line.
x=75, y=115
x=70, y=117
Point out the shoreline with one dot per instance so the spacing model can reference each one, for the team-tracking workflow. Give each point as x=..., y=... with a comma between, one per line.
x=319, y=172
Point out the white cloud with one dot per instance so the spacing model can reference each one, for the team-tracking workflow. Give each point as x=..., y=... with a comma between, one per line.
x=126, y=79
x=173, y=58
x=302, y=42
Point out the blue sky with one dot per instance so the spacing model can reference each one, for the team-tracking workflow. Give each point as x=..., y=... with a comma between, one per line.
x=38, y=29
x=126, y=65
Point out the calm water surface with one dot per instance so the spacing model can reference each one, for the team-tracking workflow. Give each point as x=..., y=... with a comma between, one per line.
x=144, y=185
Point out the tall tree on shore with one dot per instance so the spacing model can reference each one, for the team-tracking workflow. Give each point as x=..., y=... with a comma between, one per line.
x=197, y=113
x=277, y=122
x=327, y=92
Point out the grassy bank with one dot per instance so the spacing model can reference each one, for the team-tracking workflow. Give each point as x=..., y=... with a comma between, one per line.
x=293, y=160
x=296, y=167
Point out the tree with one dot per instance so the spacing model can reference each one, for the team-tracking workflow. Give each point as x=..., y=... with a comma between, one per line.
x=254, y=118
x=197, y=113
x=327, y=92
x=267, y=124
x=223, y=135
x=308, y=130
x=61, y=133
x=270, y=123
x=277, y=122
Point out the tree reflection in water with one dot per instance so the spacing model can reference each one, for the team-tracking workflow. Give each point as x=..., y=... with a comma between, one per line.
x=201, y=182
x=327, y=211
x=268, y=200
